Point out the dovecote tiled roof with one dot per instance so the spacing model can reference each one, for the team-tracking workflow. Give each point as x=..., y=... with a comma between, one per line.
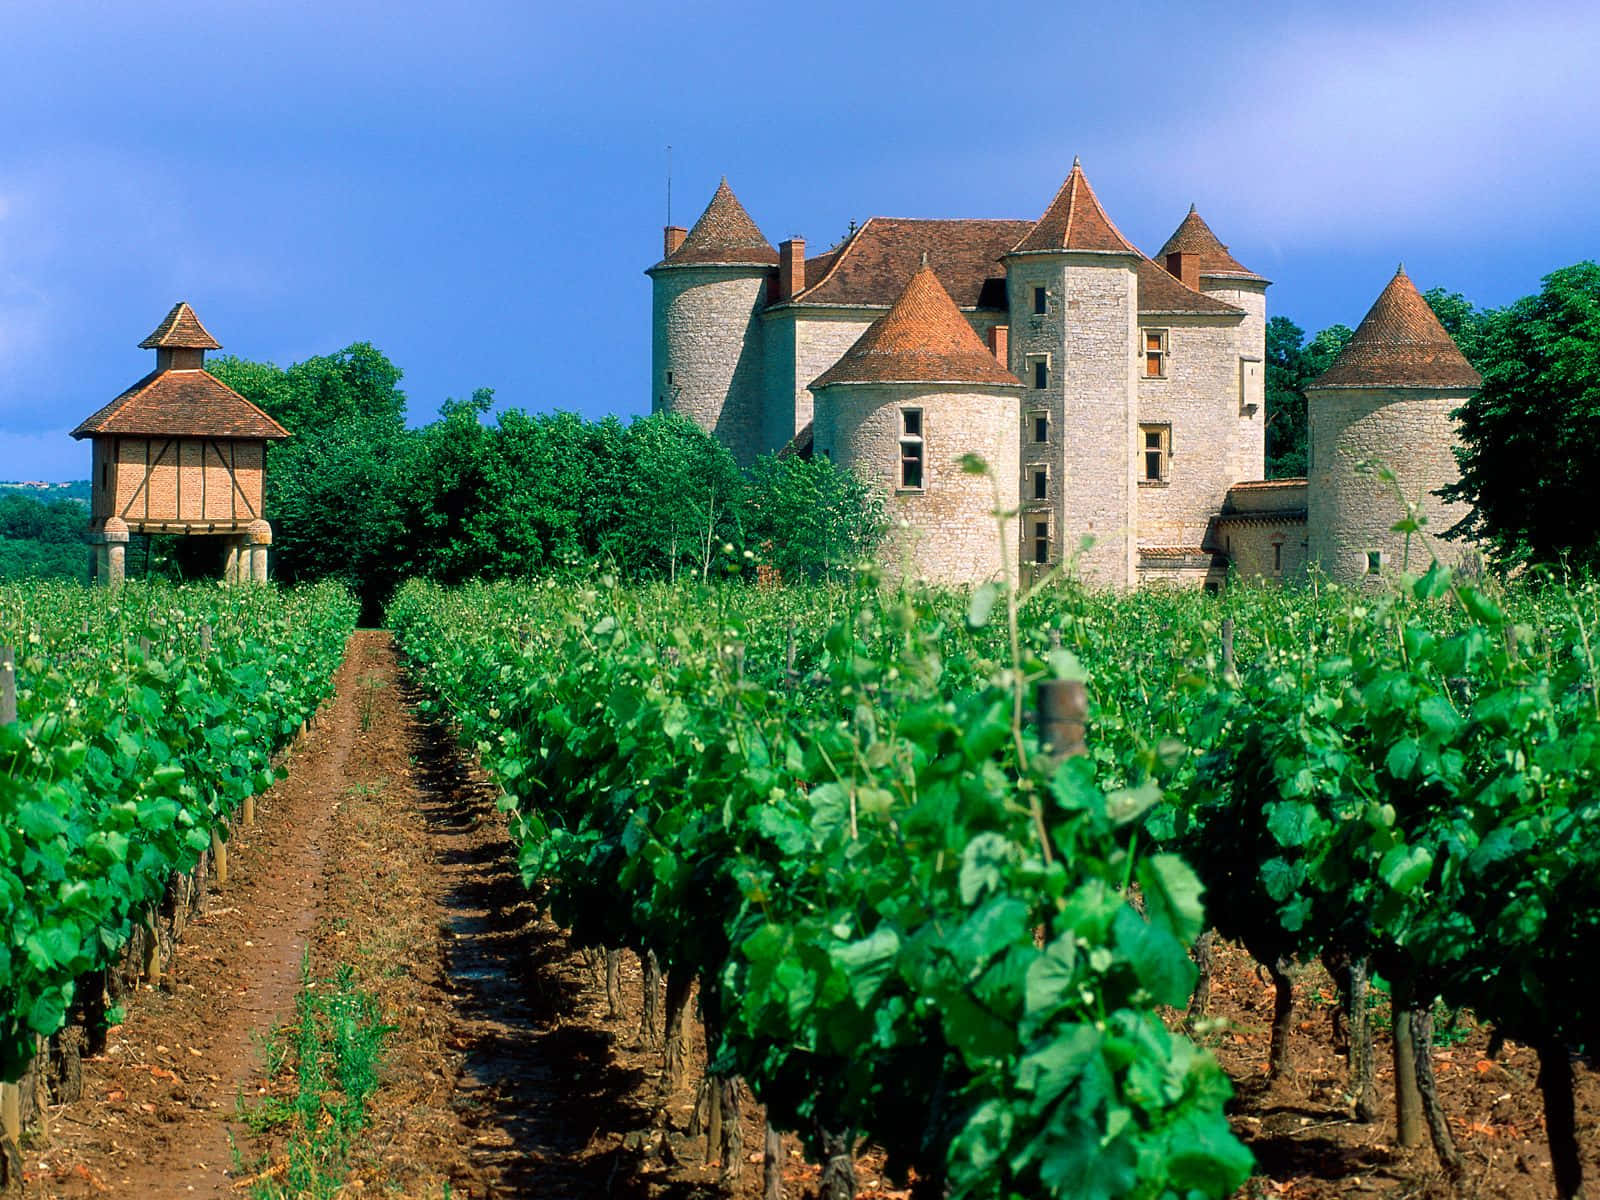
x=180, y=329
x=1075, y=221
x=723, y=234
x=1194, y=236
x=873, y=266
x=1160, y=294
x=923, y=338
x=191, y=403
x=1399, y=343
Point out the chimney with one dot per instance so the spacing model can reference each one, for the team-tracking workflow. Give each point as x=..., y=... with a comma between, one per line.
x=791, y=267
x=672, y=239
x=1185, y=268
x=1000, y=344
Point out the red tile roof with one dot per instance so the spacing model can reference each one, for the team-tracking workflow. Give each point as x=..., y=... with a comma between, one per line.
x=873, y=266
x=180, y=329
x=723, y=234
x=923, y=338
x=189, y=403
x=1160, y=293
x=1400, y=343
x=1194, y=236
x=1075, y=221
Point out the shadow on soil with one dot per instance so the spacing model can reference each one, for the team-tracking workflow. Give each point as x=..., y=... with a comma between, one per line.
x=538, y=1084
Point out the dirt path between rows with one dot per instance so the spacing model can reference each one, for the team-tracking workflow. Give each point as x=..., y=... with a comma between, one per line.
x=505, y=1074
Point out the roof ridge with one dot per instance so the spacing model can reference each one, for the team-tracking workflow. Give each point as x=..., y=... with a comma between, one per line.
x=923, y=338
x=839, y=254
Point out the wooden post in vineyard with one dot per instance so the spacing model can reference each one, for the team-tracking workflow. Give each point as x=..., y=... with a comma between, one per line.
x=10, y=1093
x=1063, y=710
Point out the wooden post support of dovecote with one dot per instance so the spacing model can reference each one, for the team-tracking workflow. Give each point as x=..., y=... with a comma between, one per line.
x=180, y=452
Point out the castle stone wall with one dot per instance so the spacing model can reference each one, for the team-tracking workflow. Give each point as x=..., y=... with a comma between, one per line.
x=1197, y=401
x=1249, y=545
x=1089, y=332
x=707, y=338
x=1350, y=512
x=1248, y=387
x=819, y=342
x=947, y=531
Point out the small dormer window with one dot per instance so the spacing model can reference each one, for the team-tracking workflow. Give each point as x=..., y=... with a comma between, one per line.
x=1040, y=301
x=911, y=449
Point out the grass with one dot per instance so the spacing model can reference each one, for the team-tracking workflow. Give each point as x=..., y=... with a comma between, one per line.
x=321, y=1070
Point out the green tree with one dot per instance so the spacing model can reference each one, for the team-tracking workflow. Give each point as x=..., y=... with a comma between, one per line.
x=1528, y=435
x=811, y=519
x=682, y=497
x=358, y=382
x=333, y=488
x=43, y=541
x=1464, y=323
x=1286, y=403
x=1291, y=364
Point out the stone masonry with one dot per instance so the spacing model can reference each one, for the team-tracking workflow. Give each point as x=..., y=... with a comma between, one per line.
x=1105, y=357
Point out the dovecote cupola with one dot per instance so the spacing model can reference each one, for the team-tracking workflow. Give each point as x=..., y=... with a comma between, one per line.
x=180, y=452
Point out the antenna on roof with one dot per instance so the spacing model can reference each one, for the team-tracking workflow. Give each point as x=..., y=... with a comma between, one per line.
x=669, y=185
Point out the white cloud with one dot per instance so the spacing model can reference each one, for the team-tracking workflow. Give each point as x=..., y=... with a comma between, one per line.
x=1463, y=123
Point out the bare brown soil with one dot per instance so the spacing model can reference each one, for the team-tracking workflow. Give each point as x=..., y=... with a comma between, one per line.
x=1307, y=1145
x=507, y=1075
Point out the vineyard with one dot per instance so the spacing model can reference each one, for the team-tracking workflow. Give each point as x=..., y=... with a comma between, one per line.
x=943, y=875
x=908, y=920
x=136, y=729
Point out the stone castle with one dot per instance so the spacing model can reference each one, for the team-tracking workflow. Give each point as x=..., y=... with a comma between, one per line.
x=1118, y=399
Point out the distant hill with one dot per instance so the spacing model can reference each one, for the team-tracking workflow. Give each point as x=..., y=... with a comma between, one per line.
x=78, y=489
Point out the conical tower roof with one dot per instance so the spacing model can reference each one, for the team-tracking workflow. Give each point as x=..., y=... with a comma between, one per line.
x=1075, y=221
x=923, y=338
x=1401, y=344
x=724, y=234
x=1194, y=236
x=180, y=329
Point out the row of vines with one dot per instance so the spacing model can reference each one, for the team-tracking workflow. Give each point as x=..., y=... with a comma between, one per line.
x=909, y=923
x=143, y=720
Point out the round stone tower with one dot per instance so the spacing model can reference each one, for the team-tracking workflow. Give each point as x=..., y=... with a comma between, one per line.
x=901, y=408
x=1385, y=403
x=709, y=290
x=1197, y=258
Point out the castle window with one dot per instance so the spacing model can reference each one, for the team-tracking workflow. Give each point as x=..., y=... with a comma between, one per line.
x=1041, y=428
x=1155, y=353
x=911, y=448
x=1039, y=370
x=1039, y=301
x=1155, y=447
x=1041, y=541
x=1041, y=483
x=1277, y=558
x=1374, y=561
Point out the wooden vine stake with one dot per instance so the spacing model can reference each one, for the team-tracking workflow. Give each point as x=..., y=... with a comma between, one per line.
x=1063, y=710
x=219, y=856
x=10, y=1093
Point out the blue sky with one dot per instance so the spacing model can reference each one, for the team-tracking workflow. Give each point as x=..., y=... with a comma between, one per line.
x=477, y=187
